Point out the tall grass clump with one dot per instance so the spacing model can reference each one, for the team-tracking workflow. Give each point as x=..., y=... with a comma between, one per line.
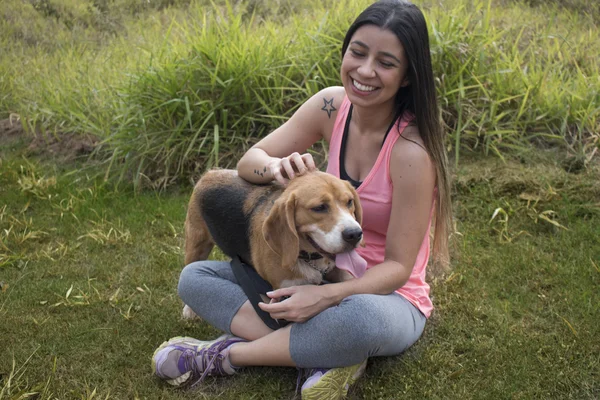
x=5, y=99
x=174, y=90
x=508, y=77
x=64, y=60
x=583, y=7
x=231, y=85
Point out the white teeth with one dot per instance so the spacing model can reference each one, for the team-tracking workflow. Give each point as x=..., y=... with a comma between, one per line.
x=363, y=88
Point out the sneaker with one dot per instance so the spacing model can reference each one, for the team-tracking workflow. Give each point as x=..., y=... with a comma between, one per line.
x=331, y=384
x=182, y=361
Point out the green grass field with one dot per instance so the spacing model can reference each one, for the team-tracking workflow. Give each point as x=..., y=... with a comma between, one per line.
x=89, y=275
x=109, y=108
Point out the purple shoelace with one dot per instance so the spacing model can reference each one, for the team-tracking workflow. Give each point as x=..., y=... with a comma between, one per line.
x=211, y=362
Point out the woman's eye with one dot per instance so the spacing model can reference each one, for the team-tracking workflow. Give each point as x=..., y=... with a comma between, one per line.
x=320, y=208
x=386, y=64
x=350, y=203
x=356, y=53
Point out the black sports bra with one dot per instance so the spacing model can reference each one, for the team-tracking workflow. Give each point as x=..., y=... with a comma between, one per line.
x=343, y=173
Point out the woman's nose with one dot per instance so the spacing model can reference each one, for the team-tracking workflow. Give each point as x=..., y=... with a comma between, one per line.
x=367, y=69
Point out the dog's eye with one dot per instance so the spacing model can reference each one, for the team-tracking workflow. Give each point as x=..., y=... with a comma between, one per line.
x=320, y=208
x=350, y=203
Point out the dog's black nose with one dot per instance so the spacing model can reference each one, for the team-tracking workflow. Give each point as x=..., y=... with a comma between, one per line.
x=352, y=235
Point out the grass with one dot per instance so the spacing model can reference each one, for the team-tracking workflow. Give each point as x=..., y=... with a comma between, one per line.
x=182, y=85
x=89, y=271
x=88, y=268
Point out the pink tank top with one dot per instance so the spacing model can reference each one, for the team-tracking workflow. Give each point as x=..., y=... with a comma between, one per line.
x=375, y=194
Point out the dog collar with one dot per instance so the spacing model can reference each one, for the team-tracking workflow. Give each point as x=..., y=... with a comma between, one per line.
x=306, y=256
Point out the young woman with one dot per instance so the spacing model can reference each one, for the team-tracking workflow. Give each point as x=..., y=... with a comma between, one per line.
x=384, y=137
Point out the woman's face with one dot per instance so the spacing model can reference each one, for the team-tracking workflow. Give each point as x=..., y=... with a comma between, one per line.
x=374, y=67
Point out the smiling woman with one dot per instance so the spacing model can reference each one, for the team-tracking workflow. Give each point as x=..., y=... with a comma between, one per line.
x=384, y=138
x=374, y=67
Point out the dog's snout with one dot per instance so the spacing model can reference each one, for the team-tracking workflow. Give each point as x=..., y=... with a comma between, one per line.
x=352, y=235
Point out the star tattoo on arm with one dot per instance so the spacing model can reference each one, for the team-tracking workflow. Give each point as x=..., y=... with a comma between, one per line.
x=328, y=107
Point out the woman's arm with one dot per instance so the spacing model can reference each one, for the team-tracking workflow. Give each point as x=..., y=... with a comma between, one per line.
x=282, y=154
x=257, y=166
x=413, y=178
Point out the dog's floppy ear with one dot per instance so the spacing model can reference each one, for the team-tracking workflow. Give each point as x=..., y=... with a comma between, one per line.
x=279, y=229
x=357, y=207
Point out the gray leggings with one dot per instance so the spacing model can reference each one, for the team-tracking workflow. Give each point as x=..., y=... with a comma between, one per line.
x=360, y=326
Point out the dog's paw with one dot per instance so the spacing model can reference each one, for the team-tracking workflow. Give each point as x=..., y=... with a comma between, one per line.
x=188, y=313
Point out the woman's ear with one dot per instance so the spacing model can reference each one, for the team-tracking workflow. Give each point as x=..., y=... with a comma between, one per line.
x=279, y=229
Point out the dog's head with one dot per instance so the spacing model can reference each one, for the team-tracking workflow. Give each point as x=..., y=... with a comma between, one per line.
x=316, y=209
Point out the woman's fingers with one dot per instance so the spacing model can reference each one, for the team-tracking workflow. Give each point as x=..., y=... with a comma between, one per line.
x=286, y=166
x=286, y=291
x=275, y=168
x=309, y=162
x=279, y=177
x=298, y=162
x=277, y=307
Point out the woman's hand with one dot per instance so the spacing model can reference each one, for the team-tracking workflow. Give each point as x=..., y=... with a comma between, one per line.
x=303, y=303
x=284, y=169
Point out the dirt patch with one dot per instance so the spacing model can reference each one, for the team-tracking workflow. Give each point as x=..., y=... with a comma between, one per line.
x=63, y=146
x=10, y=129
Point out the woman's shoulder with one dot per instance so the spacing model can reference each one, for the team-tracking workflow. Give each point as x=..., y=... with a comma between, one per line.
x=325, y=105
x=409, y=153
x=329, y=100
x=336, y=92
x=410, y=135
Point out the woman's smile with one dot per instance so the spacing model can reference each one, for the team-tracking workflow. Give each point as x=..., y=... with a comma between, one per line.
x=363, y=88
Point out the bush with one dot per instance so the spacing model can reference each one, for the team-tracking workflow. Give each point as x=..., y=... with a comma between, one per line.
x=183, y=88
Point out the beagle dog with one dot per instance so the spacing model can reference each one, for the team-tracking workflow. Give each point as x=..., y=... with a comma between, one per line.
x=290, y=235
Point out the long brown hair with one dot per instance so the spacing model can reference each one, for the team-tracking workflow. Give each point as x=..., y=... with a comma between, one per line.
x=407, y=22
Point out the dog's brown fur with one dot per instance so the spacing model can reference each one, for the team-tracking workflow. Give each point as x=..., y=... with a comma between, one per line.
x=279, y=221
